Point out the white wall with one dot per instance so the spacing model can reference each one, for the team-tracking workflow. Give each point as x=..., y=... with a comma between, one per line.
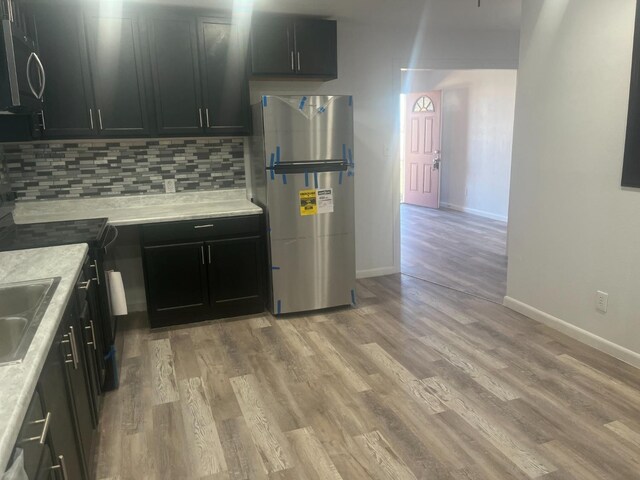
x=572, y=229
x=477, y=133
x=371, y=53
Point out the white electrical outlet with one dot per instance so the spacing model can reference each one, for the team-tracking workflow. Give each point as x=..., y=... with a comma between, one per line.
x=170, y=186
x=602, y=301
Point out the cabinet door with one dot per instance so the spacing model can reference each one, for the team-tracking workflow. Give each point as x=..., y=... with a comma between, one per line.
x=272, y=46
x=173, y=45
x=236, y=276
x=55, y=393
x=224, y=80
x=68, y=97
x=78, y=379
x=117, y=74
x=88, y=344
x=316, y=48
x=176, y=281
x=30, y=434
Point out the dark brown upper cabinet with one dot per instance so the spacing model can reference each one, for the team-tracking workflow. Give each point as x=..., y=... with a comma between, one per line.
x=173, y=47
x=284, y=47
x=68, y=109
x=199, y=75
x=224, y=77
x=631, y=165
x=117, y=73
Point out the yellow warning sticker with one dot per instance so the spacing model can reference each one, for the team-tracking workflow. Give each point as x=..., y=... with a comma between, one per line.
x=308, y=202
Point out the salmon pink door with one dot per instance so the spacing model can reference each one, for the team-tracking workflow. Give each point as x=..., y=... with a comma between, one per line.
x=422, y=149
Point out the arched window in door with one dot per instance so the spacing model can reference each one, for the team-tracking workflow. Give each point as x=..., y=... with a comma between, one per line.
x=424, y=105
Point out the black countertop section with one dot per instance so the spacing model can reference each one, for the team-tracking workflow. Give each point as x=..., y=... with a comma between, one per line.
x=37, y=235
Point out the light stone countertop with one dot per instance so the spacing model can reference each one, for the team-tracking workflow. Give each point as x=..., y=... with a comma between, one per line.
x=140, y=209
x=18, y=381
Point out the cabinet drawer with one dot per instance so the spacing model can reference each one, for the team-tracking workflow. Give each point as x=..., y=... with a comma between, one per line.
x=205, y=229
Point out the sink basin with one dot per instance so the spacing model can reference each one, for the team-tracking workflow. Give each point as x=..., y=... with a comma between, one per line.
x=22, y=306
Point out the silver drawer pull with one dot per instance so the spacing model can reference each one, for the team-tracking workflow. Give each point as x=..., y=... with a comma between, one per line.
x=209, y=225
x=45, y=429
x=62, y=467
x=95, y=266
x=93, y=334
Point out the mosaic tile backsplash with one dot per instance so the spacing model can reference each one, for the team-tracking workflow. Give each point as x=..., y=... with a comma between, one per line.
x=76, y=169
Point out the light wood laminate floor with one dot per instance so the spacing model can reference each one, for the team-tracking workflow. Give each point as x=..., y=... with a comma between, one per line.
x=458, y=250
x=416, y=382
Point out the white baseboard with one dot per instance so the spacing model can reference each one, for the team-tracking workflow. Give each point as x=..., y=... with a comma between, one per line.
x=377, y=272
x=473, y=211
x=599, y=343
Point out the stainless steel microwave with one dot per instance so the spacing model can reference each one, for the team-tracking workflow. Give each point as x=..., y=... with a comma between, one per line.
x=22, y=75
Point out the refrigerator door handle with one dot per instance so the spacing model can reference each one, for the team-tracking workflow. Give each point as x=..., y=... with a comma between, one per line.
x=309, y=168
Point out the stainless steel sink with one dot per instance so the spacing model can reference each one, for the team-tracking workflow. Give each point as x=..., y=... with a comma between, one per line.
x=22, y=306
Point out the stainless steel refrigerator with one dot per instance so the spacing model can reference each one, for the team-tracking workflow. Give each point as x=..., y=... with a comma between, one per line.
x=302, y=174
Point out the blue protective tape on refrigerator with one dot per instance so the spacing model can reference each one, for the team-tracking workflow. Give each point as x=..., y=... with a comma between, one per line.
x=353, y=297
x=322, y=110
x=273, y=175
x=264, y=100
x=351, y=100
x=315, y=179
x=277, y=154
x=340, y=178
x=272, y=161
x=351, y=158
x=275, y=268
x=303, y=100
x=284, y=178
x=279, y=307
x=350, y=174
x=306, y=179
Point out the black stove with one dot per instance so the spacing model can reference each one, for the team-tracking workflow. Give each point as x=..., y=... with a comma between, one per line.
x=36, y=235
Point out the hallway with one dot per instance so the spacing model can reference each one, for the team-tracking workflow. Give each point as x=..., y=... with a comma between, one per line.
x=454, y=249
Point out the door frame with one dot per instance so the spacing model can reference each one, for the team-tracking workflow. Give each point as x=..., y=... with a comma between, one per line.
x=400, y=65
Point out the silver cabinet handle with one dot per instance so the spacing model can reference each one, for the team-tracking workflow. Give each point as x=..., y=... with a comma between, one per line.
x=91, y=117
x=33, y=90
x=209, y=225
x=206, y=111
x=93, y=335
x=43, y=436
x=298, y=61
x=62, y=467
x=100, y=119
x=200, y=115
x=202, y=253
x=293, y=68
x=44, y=123
x=85, y=285
x=43, y=77
x=10, y=8
x=95, y=265
x=74, y=348
x=209, y=250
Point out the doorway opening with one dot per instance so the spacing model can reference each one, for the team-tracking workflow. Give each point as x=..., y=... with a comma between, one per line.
x=456, y=130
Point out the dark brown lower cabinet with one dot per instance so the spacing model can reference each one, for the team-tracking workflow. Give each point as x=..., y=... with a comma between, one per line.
x=203, y=270
x=58, y=431
x=235, y=283
x=65, y=394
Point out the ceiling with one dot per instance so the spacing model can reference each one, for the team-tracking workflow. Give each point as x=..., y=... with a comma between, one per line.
x=460, y=14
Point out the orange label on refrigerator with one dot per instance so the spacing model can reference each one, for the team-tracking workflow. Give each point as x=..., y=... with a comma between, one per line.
x=308, y=202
